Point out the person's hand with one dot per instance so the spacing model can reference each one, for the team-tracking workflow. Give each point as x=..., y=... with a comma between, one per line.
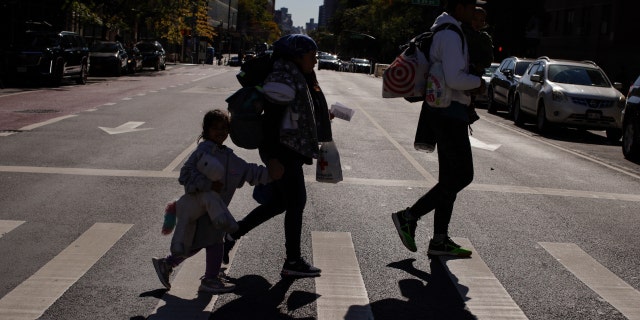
x=275, y=169
x=217, y=186
x=479, y=90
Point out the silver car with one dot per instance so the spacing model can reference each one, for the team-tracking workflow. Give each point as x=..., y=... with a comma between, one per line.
x=569, y=94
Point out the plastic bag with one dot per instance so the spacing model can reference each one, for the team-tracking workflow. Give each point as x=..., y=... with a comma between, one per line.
x=328, y=168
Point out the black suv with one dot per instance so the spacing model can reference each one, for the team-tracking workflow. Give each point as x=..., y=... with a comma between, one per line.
x=49, y=56
x=502, y=87
x=631, y=123
x=153, y=55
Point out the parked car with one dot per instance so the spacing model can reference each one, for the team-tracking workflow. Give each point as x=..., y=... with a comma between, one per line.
x=49, y=56
x=502, y=86
x=360, y=65
x=108, y=57
x=631, y=123
x=134, y=62
x=328, y=61
x=570, y=94
x=488, y=73
x=153, y=55
x=235, y=61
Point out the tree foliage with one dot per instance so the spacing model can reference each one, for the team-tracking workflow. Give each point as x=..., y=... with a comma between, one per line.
x=256, y=24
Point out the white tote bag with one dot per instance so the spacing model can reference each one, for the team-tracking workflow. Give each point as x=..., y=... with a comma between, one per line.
x=328, y=168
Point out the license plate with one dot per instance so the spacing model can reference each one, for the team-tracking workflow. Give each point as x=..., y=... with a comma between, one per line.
x=593, y=115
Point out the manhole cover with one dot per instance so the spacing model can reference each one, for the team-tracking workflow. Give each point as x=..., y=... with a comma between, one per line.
x=38, y=111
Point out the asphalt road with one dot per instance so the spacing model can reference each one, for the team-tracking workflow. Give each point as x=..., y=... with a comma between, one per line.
x=86, y=171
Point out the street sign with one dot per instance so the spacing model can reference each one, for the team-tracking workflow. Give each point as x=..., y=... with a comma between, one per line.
x=434, y=3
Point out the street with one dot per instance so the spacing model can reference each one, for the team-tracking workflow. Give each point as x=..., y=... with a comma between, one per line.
x=86, y=172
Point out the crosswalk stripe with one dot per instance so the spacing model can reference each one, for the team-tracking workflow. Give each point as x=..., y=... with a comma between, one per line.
x=32, y=297
x=605, y=283
x=8, y=225
x=340, y=288
x=183, y=301
x=483, y=294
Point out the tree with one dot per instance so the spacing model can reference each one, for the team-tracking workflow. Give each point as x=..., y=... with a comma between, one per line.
x=256, y=23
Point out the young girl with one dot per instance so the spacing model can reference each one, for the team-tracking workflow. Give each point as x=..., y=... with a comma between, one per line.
x=209, y=235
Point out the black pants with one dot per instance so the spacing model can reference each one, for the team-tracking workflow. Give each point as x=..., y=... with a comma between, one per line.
x=455, y=165
x=289, y=195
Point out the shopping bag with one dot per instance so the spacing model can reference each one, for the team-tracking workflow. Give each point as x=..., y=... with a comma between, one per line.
x=328, y=168
x=406, y=76
x=425, y=139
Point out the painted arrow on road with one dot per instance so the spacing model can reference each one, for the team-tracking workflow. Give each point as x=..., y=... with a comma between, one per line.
x=130, y=126
x=482, y=145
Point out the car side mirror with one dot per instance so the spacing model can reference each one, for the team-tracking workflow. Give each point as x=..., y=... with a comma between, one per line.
x=508, y=73
x=536, y=78
x=617, y=85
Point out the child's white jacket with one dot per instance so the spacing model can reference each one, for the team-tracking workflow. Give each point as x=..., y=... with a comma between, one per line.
x=198, y=186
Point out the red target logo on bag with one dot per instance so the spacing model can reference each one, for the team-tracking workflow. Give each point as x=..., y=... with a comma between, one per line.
x=406, y=76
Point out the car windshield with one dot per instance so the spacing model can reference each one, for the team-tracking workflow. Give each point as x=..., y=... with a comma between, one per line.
x=489, y=71
x=521, y=67
x=332, y=58
x=577, y=75
x=105, y=47
x=361, y=61
x=40, y=41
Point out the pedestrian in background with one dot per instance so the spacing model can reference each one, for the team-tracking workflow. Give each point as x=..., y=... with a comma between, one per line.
x=450, y=126
x=296, y=119
x=215, y=130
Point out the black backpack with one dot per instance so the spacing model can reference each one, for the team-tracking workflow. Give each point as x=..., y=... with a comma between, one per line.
x=423, y=42
x=246, y=105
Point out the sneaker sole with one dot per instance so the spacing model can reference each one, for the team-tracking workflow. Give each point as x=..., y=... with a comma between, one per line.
x=396, y=223
x=446, y=253
x=156, y=265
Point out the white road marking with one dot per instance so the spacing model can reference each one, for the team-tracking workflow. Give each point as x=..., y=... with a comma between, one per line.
x=8, y=225
x=174, y=164
x=35, y=295
x=605, y=283
x=481, y=291
x=482, y=145
x=404, y=152
x=44, y=123
x=130, y=126
x=341, y=286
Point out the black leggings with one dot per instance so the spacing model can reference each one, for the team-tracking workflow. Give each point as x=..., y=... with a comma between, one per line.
x=290, y=196
x=455, y=165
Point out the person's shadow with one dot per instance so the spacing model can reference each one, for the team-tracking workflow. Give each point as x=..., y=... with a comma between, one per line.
x=430, y=296
x=260, y=300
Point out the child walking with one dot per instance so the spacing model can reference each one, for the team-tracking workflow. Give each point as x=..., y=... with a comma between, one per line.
x=208, y=234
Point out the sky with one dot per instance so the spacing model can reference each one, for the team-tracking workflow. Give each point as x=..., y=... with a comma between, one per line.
x=301, y=10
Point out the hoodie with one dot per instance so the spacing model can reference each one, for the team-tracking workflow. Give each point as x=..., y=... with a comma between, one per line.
x=447, y=49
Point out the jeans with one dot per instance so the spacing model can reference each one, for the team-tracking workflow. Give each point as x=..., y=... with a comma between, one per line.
x=289, y=194
x=455, y=165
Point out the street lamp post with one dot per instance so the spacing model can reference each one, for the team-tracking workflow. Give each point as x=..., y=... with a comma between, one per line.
x=229, y=30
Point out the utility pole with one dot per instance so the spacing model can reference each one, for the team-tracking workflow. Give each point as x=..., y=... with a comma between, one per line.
x=229, y=30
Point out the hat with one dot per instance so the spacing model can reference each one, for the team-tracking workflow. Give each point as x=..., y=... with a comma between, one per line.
x=294, y=45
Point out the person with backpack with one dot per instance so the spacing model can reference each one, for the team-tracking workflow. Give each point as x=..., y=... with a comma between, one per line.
x=203, y=193
x=296, y=118
x=450, y=129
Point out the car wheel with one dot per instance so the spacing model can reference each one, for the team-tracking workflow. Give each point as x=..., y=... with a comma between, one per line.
x=631, y=141
x=157, y=66
x=518, y=117
x=164, y=66
x=491, y=104
x=541, y=120
x=83, y=75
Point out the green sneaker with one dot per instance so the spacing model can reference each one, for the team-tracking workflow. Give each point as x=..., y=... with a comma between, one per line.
x=447, y=248
x=406, y=229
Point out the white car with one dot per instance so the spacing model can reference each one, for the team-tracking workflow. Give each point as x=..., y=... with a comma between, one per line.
x=570, y=94
x=488, y=72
